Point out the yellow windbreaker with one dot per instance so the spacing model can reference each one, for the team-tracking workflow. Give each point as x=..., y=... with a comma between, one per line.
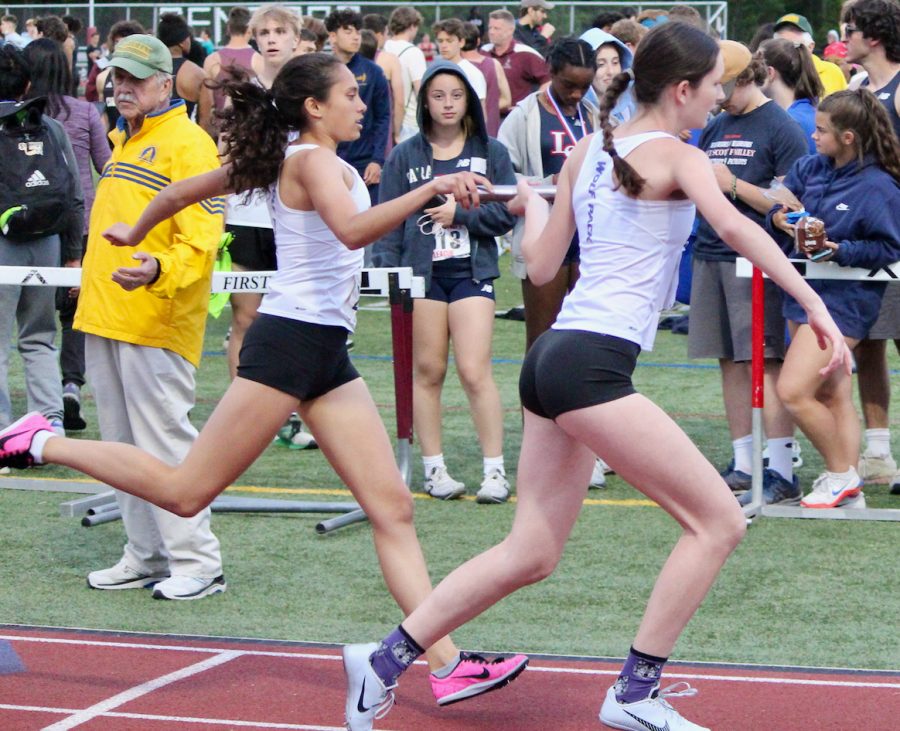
x=171, y=313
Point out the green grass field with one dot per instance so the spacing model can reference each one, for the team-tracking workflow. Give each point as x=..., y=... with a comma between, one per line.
x=806, y=592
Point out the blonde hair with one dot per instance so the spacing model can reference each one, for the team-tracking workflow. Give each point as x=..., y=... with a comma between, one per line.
x=280, y=14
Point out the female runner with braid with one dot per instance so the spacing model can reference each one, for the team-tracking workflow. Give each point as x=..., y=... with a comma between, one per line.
x=631, y=194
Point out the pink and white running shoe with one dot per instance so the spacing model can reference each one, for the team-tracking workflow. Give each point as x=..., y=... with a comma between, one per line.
x=15, y=440
x=475, y=675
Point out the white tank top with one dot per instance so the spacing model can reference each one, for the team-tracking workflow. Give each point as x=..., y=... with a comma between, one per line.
x=630, y=251
x=318, y=277
x=253, y=213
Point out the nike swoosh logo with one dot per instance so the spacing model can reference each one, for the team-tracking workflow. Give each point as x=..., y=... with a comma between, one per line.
x=648, y=725
x=483, y=675
x=5, y=439
x=835, y=493
x=362, y=694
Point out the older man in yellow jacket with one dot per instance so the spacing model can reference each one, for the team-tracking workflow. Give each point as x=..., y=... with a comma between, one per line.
x=144, y=313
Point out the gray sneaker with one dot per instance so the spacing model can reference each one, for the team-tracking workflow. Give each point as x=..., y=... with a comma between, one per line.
x=123, y=576
x=876, y=469
x=184, y=588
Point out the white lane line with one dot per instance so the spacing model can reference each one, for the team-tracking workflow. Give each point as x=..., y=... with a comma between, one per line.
x=99, y=709
x=558, y=669
x=172, y=648
x=177, y=719
x=728, y=678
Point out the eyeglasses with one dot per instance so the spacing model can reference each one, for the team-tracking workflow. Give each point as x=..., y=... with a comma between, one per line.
x=849, y=30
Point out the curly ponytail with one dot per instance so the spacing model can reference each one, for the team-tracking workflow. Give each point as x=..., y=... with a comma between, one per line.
x=626, y=175
x=255, y=127
x=860, y=112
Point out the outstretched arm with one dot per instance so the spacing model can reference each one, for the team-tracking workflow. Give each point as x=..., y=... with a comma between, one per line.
x=320, y=176
x=168, y=202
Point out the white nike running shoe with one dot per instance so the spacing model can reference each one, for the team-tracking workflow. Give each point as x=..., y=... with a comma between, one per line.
x=831, y=490
x=367, y=697
x=651, y=714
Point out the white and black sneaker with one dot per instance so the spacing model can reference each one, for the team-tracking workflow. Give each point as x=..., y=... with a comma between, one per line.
x=651, y=714
x=367, y=696
x=184, y=588
x=123, y=576
x=439, y=484
x=494, y=489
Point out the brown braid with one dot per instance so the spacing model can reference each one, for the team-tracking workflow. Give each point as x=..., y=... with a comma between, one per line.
x=668, y=54
x=860, y=112
x=626, y=175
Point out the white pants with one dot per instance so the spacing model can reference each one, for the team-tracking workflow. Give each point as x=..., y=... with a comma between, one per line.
x=143, y=397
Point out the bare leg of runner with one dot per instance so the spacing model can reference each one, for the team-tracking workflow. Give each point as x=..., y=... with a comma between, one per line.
x=346, y=424
x=554, y=468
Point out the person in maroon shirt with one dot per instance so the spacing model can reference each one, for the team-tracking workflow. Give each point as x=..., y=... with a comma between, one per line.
x=524, y=67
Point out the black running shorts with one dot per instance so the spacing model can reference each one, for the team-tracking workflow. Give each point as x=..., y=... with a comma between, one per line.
x=572, y=369
x=253, y=249
x=299, y=358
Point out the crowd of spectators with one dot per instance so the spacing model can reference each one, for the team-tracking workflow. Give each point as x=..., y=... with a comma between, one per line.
x=538, y=100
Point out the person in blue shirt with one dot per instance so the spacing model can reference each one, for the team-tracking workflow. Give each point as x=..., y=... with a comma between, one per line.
x=853, y=187
x=792, y=82
x=367, y=153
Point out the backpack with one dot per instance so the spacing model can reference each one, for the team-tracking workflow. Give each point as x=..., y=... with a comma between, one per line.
x=36, y=182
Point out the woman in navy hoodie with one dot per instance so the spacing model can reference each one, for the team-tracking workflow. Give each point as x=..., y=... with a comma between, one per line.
x=454, y=250
x=853, y=186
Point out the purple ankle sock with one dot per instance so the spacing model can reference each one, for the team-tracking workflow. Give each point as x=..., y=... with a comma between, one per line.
x=639, y=677
x=396, y=652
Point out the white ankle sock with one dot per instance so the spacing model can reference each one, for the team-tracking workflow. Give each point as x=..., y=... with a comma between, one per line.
x=878, y=442
x=781, y=456
x=843, y=475
x=494, y=463
x=743, y=454
x=37, y=445
x=429, y=463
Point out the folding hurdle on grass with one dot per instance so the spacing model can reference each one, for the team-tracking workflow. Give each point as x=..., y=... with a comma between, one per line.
x=397, y=284
x=856, y=510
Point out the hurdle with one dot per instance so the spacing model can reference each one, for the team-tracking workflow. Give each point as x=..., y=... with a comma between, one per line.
x=398, y=284
x=856, y=509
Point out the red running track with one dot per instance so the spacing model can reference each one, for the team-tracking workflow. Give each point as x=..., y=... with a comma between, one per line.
x=108, y=681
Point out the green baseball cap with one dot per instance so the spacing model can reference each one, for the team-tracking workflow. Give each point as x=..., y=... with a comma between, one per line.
x=142, y=56
x=796, y=20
